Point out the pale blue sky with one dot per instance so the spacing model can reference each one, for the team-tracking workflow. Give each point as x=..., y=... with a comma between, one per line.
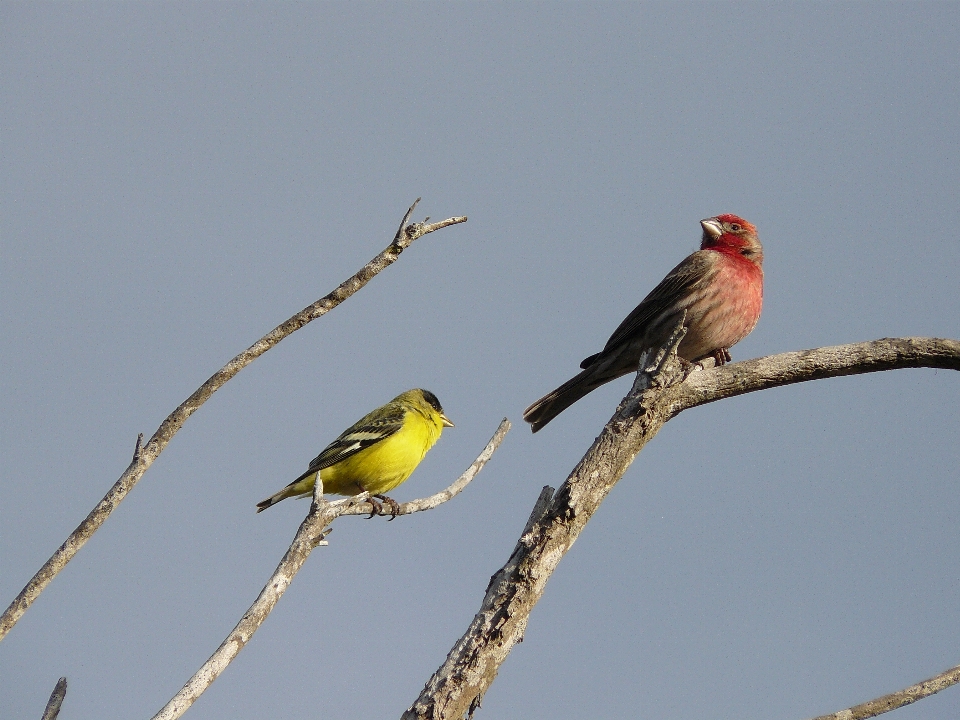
x=179, y=178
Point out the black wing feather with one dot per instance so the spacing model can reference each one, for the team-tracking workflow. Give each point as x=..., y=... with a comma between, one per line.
x=368, y=431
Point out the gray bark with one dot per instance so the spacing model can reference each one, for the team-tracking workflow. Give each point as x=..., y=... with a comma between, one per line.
x=458, y=686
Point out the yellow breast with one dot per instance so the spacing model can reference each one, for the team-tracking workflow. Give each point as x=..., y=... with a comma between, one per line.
x=381, y=467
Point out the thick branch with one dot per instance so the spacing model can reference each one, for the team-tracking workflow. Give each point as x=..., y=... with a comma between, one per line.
x=801, y=366
x=471, y=666
x=144, y=456
x=311, y=533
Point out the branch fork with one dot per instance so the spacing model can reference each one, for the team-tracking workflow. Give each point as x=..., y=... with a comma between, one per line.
x=558, y=518
x=312, y=533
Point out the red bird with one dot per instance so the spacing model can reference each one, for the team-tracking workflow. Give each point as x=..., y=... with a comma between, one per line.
x=721, y=288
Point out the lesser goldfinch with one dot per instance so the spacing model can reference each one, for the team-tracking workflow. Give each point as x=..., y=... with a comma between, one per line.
x=721, y=289
x=376, y=453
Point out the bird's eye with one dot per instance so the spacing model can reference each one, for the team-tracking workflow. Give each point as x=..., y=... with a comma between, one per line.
x=735, y=227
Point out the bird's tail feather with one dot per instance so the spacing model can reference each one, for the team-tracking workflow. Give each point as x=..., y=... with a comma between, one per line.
x=301, y=487
x=272, y=500
x=288, y=491
x=552, y=404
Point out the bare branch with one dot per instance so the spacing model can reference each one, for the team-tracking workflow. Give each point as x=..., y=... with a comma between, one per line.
x=308, y=535
x=145, y=455
x=428, y=503
x=423, y=228
x=801, y=366
x=312, y=531
x=898, y=699
x=52, y=709
x=471, y=666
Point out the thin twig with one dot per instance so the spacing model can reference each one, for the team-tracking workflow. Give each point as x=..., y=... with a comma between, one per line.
x=428, y=503
x=310, y=534
x=898, y=699
x=474, y=661
x=406, y=234
x=52, y=709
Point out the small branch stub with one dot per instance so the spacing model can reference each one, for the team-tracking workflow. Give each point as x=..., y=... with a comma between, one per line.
x=52, y=710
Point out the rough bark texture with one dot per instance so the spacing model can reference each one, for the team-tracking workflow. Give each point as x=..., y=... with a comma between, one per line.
x=803, y=365
x=144, y=456
x=472, y=665
x=457, y=688
x=52, y=710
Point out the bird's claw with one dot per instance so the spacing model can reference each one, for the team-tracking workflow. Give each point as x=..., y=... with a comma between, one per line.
x=394, y=505
x=721, y=356
x=378, y=501
x=377, y=507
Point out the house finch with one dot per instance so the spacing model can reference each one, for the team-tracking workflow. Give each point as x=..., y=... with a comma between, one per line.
x=721, y=289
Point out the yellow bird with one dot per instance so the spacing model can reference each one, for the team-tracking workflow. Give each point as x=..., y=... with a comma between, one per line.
x=375, y=454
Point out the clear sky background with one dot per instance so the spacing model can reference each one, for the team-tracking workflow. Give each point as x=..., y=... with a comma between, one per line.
x=177, y=179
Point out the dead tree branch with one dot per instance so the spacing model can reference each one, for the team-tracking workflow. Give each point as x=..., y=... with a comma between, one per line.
x=145, y=455
x=898, y=699
x=312, y=532
x=458, y=686
x=428, y=503
x=818, y=364
x=52, y=710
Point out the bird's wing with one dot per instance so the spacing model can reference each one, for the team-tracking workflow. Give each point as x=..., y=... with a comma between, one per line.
x=669, y=293
x=369, y=431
